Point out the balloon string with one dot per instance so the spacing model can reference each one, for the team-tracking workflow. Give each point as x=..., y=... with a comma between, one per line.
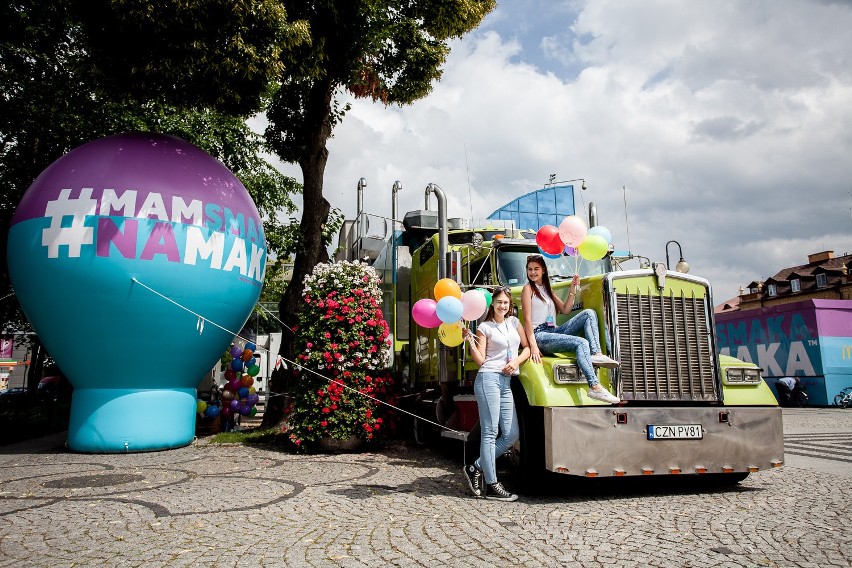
x=297, y=366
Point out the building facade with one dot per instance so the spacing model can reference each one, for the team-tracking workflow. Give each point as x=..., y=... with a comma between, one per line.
x=796, y=323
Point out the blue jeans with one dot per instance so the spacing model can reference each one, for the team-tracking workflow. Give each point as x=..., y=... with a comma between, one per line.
x=496, y=412
x=564, y=338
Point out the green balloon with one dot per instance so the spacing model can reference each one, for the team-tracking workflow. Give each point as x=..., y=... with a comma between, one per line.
x=593, y=247
x=487, y=297
x=254, y=370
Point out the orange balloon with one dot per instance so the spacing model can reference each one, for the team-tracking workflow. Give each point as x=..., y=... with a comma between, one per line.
x=247, y=381
x=247, y=354
x=447, y=287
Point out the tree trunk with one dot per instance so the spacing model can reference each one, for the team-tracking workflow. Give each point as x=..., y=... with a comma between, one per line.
x=311, y=250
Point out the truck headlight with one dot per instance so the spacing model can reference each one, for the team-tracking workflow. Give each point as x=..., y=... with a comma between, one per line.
x=734, y=375
x=752, y=376
x=566, y=374
x=739, y=375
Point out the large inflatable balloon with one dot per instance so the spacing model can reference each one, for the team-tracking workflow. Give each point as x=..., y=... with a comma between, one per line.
x=107, y=247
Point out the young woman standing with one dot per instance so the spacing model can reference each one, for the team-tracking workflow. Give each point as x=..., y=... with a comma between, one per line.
x=540, y=307
x=495, y=350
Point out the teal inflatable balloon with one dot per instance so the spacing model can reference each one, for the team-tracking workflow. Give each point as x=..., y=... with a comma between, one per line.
x=112, y=248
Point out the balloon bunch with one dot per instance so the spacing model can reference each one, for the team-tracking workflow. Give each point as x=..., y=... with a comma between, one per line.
x=207, y=409
x=448, y=308
x=574, y=238
x=239, y=396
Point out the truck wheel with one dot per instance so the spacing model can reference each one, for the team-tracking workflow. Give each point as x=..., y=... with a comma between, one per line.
x=530, y=446
x=724, y=478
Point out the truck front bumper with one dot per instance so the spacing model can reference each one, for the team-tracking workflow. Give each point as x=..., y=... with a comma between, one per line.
x=615, y=441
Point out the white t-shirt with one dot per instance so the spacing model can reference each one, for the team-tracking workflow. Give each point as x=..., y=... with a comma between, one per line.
x=503, y=343
x=542, y=309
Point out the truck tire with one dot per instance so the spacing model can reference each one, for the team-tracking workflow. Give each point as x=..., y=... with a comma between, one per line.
x=530, y=445
x=724, y=479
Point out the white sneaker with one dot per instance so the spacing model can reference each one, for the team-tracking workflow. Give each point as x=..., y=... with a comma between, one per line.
x=603, y=395
x=602, y=360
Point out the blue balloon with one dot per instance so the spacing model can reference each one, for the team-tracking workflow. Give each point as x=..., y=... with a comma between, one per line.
x=251, y=347
x=237, y=364
x=449, y=309
x=243, y=392
x=548, y=255
x=211, y=411
x=250, y=362
x=601, y=231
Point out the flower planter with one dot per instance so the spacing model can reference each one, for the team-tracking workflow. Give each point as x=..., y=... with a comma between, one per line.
x=207, y=426
x=335, y=446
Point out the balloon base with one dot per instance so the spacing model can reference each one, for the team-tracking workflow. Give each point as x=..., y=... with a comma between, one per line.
x=131, y=420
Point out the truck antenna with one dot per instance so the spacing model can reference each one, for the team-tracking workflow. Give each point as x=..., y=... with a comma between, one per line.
x=467, y=167
x=626, y=223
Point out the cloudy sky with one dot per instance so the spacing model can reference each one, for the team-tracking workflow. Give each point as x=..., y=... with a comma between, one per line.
x=729, y=123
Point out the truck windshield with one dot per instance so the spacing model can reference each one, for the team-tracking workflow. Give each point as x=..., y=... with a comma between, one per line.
x=512, y=266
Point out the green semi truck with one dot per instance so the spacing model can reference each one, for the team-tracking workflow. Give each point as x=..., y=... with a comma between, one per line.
x=686, y=410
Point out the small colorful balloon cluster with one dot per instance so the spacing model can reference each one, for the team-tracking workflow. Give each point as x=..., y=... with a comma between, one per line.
x=239, y=395
x=448, y=308
x=573, y=237
x=207, y=409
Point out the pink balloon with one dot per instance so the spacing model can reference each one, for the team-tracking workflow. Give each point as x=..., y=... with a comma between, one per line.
x=548, y=240
x=423, y=312
x=474, y=304
x=572, y=230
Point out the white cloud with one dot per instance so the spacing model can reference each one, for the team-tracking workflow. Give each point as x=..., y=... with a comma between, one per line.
x=729, y=124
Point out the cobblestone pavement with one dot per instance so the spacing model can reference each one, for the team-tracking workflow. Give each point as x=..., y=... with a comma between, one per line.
x=406, y=506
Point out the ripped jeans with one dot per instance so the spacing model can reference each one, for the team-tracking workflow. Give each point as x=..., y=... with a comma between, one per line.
x=563, y=338
x=496, y=414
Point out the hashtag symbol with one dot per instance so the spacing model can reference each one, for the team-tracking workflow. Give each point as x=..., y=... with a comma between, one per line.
x=77, y=234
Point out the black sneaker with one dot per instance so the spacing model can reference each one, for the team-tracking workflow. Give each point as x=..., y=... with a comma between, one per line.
x=474, y=480
x=497, y=492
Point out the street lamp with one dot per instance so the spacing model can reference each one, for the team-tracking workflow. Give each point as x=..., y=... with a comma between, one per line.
x=682, y=265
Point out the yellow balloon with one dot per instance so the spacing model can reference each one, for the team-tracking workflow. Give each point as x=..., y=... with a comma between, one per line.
x=593, y=247
x=450, y=334
x=200, y=406
x=447, y=287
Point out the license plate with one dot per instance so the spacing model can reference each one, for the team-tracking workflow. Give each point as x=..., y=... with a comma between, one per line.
x=675, y=432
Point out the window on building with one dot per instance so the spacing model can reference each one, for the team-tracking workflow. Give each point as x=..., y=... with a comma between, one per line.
x=795, y=285
x=821, y=281
x=772, y=290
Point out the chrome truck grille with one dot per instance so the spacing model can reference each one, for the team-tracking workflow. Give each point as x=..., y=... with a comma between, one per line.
x=665, y=346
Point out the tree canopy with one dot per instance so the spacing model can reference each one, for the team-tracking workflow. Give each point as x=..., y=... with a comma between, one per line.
x=385, y=50
x=52, y=100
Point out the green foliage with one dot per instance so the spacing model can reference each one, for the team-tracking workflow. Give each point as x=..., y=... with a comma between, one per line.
x=52, y=99
x=387, y=50
x=266, y=436
x=213, y=53
x=344, y=348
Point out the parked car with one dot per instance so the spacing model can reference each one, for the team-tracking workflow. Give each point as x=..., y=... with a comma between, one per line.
x=55, y=387
x=13, y=395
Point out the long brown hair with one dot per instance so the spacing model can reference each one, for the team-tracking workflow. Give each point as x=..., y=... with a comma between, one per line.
x=545, y=277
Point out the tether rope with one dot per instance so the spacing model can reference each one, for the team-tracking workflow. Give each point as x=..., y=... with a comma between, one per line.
x=297, y=366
